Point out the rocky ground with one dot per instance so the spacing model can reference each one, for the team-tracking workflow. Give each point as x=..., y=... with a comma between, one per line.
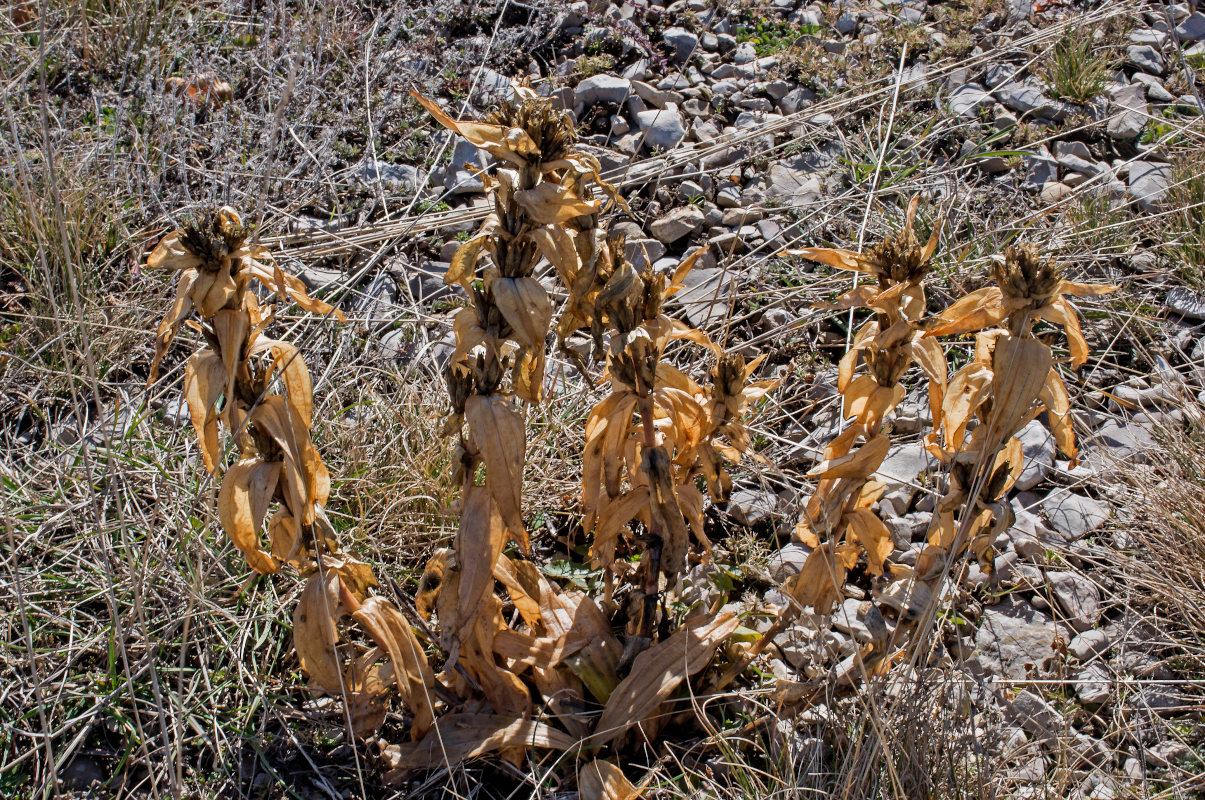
x=1074, y=669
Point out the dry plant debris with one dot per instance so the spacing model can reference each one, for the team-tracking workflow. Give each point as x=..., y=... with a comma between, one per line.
x=513, y=661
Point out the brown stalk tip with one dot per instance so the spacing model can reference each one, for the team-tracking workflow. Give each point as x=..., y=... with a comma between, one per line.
x=213, y=235
x=551, y=130
x=1024, y=275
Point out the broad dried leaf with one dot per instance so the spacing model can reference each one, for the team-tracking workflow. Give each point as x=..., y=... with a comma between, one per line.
x=458, y=737
x=980, y=309
x=1020, y=368
x=556, y=244
x=602, y=780
x=526, y=307
x=839, y=259
x=612, y=519
x=508, y=144
x=368, y=682
x=315, y=631
x=306, y=480
x=247, y=489
x=287, y=361
x=166, y=332
x=658, y=671
x=498, y=430
x=819, y=582
x=463, y=268
x=682, y=270
x=478, y=544
x=1061, y=312
x=386, y=625
x=231, y=326
x=550, y=203
x=204, y=383
x=873, y=536
x=573, y=615
x=525, y=585
x=290, y=287
x=1058, y=405
x=860, y=463
x=431, y=583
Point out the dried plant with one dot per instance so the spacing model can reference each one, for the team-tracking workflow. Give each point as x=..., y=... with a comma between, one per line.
x=1011, y=380
x=653, y=445
x=260, y=390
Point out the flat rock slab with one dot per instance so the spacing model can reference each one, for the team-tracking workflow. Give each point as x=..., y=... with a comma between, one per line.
x=704, y=295
x=1074, y=515
x=1148, y=183
x=1013, y=639
x=1077, y=597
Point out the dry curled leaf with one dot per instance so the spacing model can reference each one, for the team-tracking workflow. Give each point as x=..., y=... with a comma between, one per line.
x=658, y=671
x=247, y=488
x=459, y=736
x=498, y=430
x=602, y=780
x=416, y=682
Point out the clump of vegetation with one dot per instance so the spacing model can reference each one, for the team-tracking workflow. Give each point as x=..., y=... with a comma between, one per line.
x=1077, y=69
x=772, y=36
x=1185, y=225
x=594, y=674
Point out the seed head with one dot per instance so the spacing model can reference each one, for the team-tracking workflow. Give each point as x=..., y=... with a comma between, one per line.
x=213, y=236
x=1024, y=275
x=551, y=130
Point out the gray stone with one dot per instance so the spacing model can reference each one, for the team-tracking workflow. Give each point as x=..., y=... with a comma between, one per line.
x=1029, y=97
x=459, y=180
x=602, y=88
x=999, y=74
x=1073, y=148
x=1036, y=716
x=1155, y=90
x=1078, y=597
x=1054, y=192
x=682, y=42
x=1148, y=183
x=1186, y=302
x=1145, y=58
x=793, y=187
x=1040, y=169
x=967, y=100
x=677, y=223
x=1120, y=441
x=1192, y=29
x=635, y=249
x=846, y=24
x=744, y=54
x=705, y=295
x=1090, y=644
x=992, y=165
x=788, y=561
x=796, y=100
x=904, y=462
x=394, y=175
x=1129, y=112
x=1037, y=444
x=663, y=128
x=751, y=507
x=1074, y=515
x=1013, y=637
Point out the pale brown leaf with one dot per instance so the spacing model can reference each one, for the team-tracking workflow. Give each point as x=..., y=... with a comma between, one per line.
x=247, y=489
x=657, y=673
x=602, y=780
x=386, y=625
x=498, y=429
x=459, y=736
